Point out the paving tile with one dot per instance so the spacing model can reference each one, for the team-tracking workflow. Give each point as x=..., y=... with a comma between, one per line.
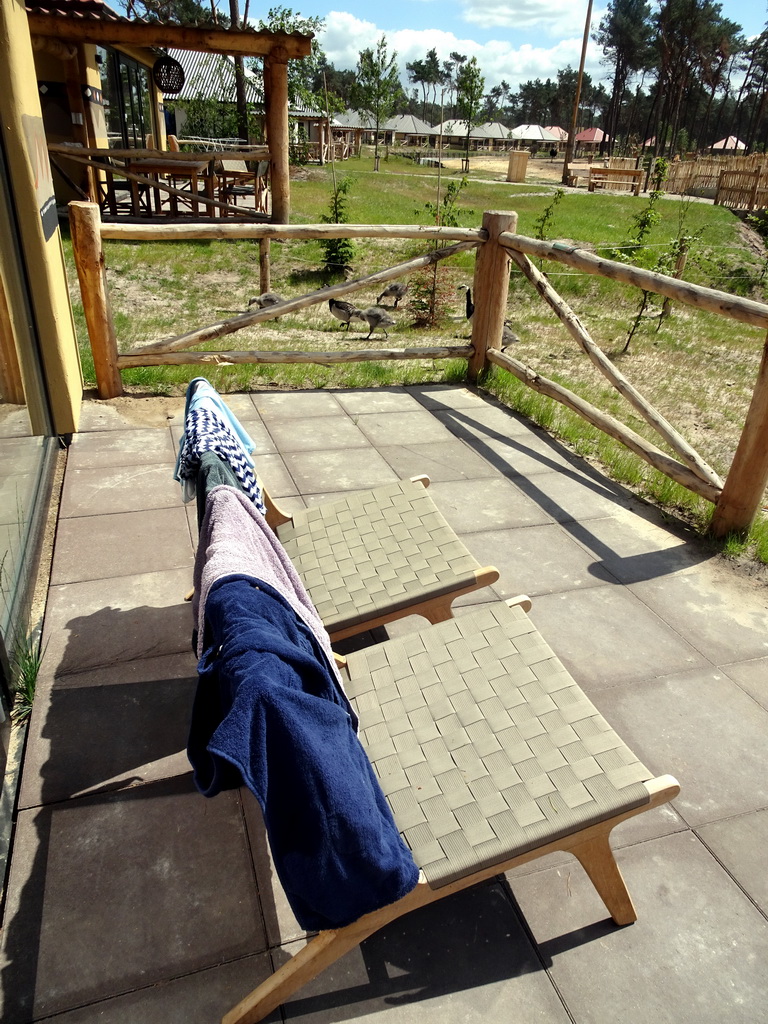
x=569, y=495
x=698, y=953
x=121, y=544
x=105, y=622
x=282, y=405
x=442, y=397
x=93, y=492
x=636, y=544
x=110, y=448
x=388, y=428
x=489, y=422
x=739, y=844
x=496, y=504
x=465, y=958
x=441, y=460
x=751, y=676
x=703, y=729
x=605, y=637
x=318, y=434
x=142, y=708
x=531, y=453
x=536, y=560
x=275, y=476
x=376, y=400
x=343, y=470
x=129, y=413
x=118, y=891
x=721, y=615
x=199, y=998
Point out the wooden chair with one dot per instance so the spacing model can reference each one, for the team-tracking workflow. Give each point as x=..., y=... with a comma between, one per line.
x=370, y=558
x=236, y=180
x=490, y=756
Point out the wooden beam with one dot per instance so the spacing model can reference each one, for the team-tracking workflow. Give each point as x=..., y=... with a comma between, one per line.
x=491, y=285
x=158, y=232
x=180, y=37
x=278, y=140
x=331, y=358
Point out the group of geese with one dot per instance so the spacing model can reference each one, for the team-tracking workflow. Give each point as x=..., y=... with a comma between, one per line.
x=377, y=317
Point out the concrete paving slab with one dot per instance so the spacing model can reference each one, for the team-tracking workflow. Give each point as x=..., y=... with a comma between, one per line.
x=490, y=422
x=198, y=998
x=739, y=844
x=529, y=454
x=567, y=495
x=93, y=492
x=105, y=622
x=466, y=958
x=703, y=729
x=317, y=434
x=388, y=428
x=295, y=405
x=536, y=560
x=111, y=448
x=121, y=544
x=376, y=400
x=131, y=413
x=722, y=616
x=109, y=728
x=117, y=891
x=751, y=676
x=497, y=505
x=698, y=953
x=606, y=637
x=441, y=460
x=273, y=472
x=441, y=397
x=353, y=469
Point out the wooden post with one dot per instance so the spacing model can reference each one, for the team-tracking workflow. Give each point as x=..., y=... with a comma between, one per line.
x=490, y=289
x=85, y=225
x=748, y=475
x=11, y=384
x=265, y=272
x=276, y=105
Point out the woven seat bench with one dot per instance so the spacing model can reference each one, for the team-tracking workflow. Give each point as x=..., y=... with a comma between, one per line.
x=370, y=558
x=490, y=755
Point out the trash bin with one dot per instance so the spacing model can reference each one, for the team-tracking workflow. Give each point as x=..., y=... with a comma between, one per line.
x=518, y=165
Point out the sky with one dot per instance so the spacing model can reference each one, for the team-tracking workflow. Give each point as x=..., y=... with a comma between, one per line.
x=513, y=40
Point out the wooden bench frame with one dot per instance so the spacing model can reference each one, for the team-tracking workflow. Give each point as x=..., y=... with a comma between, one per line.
x=590, y=845
x=615, y=176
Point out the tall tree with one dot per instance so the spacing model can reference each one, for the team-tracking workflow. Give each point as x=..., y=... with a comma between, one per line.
x=470, y=85
x=378, y=87
x=302, y=74
x=625, y=36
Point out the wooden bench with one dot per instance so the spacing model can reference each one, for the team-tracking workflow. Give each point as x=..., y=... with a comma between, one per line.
x=612, y=176
x=490, y=755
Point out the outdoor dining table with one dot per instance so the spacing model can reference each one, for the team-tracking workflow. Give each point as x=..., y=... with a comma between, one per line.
x=192, y=171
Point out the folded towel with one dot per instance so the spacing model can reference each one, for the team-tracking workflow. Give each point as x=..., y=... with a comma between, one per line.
x=268, y=711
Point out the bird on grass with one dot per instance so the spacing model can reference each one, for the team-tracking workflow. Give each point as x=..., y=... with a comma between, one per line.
x=397, y=290
x=344, y=311
x=265, y=299
x=508, y=336
x=376, y=318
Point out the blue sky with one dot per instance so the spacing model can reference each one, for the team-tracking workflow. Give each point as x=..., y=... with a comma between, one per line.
x=514, y=40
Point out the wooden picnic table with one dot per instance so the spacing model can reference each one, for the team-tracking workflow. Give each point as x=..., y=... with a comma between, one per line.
x=616, y=176
x=192, y=171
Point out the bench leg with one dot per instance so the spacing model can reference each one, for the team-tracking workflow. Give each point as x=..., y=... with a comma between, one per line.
x=596, y=857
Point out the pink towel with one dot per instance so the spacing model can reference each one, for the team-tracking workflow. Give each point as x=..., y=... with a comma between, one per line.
x=235, y=538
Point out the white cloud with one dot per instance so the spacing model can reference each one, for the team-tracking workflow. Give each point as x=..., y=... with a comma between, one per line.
x=556, y=17
x=345, y=35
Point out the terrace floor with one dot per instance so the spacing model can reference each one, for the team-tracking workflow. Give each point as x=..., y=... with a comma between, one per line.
x=133, y=899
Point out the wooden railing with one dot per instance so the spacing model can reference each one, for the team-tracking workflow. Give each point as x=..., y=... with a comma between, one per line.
x=736, y=500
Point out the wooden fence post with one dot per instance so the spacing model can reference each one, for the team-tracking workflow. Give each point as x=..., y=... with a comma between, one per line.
x=85, y=225
x=748, y=475
x=490, y=288
x=276, y=106
x=265, y=270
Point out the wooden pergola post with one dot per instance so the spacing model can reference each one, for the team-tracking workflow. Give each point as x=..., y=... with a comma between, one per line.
x=276, y=106
x=490, y=288
x=85, y=225
x=748, y=475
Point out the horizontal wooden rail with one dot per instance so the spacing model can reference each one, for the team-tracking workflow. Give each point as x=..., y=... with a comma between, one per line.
x=256, y=153
x=129, y=359
x=746, y=311
x=184, y=232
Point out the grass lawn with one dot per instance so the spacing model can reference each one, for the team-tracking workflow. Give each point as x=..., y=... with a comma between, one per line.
x=698, y=369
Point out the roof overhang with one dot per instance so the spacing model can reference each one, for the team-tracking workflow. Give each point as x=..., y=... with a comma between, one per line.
x=181, y=37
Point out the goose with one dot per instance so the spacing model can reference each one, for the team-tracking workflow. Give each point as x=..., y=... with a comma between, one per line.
x=397, y=290
x=508, y=336
x=265, y=299
x=344, y=311
x=377, y=317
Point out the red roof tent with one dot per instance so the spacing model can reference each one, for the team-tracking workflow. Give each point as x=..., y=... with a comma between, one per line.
x=592, y=135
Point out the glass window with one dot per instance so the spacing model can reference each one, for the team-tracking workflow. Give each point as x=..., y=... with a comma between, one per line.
x=127, y=97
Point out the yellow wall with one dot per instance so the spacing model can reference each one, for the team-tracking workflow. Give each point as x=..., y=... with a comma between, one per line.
x=32, y=193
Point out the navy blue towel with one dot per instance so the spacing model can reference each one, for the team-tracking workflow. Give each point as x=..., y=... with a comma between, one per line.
x=269, y=712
